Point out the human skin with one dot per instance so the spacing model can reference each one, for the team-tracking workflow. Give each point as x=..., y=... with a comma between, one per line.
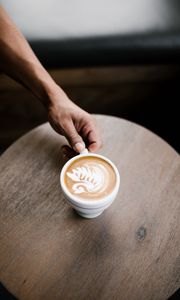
x=18, y=61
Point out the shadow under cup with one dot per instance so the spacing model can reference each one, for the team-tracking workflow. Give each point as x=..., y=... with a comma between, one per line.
x=79, y=196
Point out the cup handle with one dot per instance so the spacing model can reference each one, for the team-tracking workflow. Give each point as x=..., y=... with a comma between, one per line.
x=84, y=151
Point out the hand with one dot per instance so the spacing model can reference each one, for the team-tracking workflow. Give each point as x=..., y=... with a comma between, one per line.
x=78, y=126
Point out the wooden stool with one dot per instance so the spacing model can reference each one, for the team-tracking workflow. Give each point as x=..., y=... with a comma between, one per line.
x=131, y=251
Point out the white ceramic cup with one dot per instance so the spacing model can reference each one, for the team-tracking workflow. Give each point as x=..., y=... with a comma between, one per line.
x=89, y=208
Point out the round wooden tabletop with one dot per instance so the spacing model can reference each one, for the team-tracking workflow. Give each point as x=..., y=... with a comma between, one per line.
x=131, y=251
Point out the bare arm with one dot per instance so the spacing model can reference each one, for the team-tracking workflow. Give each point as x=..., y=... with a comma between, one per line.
x=19, y=62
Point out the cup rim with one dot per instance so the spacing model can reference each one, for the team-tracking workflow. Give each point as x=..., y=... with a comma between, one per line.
x=89, y=202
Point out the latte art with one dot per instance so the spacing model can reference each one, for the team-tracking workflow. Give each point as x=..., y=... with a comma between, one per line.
x=90, y=178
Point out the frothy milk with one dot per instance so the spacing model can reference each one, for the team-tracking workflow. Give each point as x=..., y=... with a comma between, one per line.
x=90, y=178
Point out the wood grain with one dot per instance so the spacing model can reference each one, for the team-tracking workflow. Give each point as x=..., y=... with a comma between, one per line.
x=132, y=251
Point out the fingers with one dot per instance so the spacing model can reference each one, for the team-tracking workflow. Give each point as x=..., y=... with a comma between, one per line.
x=67, y=152
x=76, y=125
x=91, y=135
x=73, y=137
x=94, y=140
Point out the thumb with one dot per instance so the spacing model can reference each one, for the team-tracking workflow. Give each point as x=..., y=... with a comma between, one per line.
x=74, y=138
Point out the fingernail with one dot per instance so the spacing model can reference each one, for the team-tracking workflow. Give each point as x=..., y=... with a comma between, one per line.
x=78, y=147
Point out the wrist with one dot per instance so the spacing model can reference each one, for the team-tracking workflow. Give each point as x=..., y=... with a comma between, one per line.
x=52, y=94
x=56, y=95
x=43, y=86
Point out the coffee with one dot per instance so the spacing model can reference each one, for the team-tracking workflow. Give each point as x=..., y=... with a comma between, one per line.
x=90, y=178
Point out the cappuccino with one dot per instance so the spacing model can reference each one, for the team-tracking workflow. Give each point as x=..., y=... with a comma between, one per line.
x=90, y=178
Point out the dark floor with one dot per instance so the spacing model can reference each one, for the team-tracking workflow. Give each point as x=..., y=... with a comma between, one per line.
x=146, y=101
x=154, y=107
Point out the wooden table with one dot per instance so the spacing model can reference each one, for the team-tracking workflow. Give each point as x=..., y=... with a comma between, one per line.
x=131, y=251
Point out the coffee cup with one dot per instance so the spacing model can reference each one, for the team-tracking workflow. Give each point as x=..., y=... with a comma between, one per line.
x=90, y=183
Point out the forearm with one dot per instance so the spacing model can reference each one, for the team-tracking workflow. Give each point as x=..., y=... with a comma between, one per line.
x=19, y=62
